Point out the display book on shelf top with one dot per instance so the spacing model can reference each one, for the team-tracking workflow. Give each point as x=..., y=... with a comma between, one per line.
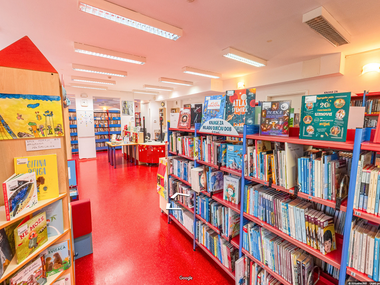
x=332, y=258
x=9, y=149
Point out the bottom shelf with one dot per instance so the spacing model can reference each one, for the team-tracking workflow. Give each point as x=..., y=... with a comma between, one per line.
x=358, y=275
x=55, y=277
x=231, y=274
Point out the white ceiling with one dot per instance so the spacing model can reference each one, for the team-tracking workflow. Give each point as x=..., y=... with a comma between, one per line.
x=270, y=29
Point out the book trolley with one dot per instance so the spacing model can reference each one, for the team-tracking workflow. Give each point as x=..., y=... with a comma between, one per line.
x=357, y=140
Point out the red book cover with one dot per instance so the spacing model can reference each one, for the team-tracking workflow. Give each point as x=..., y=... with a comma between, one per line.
x=184, y=119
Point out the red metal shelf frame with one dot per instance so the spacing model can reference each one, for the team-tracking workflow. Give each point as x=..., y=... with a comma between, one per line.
x=358, y=275
x=182, y=130
x=232, y=171
x=186, y=207
x=181, y=226
x=219, y=198
x=180, y=179
x=208, y=164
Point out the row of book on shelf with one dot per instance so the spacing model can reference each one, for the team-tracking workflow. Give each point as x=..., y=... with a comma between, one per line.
x=100, y=137
x=74, y=138
x=35, y=179
x=73, y=131
x=100, y=144
x=105, y=116
x=72, y=122
x=317, y=172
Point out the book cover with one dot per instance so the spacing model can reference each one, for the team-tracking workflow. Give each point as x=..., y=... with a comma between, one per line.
x=57, y=258
x=196, y=114
x=240, y=108
x=234, y=156
x=231, y=190
x=20, y=194
x=215, y=181
x=6, y=254
x=31, y=274
x=46, y=169
x=328, y=236
x=325, y=116
x=275, y=118
x=30, y=235
x=213, y=107
x=54, y=218
x=184, y=118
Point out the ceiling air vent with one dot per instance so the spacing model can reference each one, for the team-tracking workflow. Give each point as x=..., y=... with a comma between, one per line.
x=324, y=24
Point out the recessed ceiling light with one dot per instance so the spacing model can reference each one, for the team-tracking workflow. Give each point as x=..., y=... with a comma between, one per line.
x=244, y=57
x=160, y=88
x=89, y=87
x=145, y=92
x=106, y=53
x=175, y=81
x=191, y=70
x=121, y=15
x=92, y=80
x=98, y=70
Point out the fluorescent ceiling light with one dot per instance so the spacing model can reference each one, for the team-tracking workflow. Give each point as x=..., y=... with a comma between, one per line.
x=92, y=80
x=121, y=15
x=244, y=57
x=175, y=81
x=160, y=88
x=199, y=72
x=89, y=87
x=145, y=92
x=98, y=70
x=106, y=53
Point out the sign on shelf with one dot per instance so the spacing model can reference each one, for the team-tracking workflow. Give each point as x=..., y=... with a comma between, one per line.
x=218, y=126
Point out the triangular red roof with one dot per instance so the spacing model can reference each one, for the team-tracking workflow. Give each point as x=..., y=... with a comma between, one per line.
x=24, y=54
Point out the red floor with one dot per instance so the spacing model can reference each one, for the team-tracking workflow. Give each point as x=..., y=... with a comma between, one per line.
x=132, y=241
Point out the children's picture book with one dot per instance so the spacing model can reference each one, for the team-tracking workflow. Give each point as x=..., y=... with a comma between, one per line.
x=234, y=156
x=240, y=108
x=66, y=278
x=196, y=114
x=57, y=258
x=6, y=254
x=20, y=194
x=184, y=118
x=231, y=192
x=325, y=116
x=54, y=218
x=214, y=107
x=30, y=235
x=32, y=273
x=46, y=169
x=275, y=118
x=215, y=181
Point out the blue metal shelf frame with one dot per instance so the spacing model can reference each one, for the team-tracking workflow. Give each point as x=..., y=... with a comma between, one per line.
x=73, y=134
x=73, y=126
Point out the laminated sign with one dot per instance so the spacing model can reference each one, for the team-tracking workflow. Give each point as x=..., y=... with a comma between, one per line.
x=325, y=117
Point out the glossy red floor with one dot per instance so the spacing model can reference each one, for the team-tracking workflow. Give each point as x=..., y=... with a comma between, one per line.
x=133, y=243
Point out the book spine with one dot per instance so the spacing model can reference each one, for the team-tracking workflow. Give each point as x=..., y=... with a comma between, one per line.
x=375, y=273
x=6, y=203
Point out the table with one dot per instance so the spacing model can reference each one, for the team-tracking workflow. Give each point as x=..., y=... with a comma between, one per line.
x=111, y=151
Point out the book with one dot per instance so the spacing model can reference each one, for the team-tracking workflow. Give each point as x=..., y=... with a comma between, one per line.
x=57, y=258
x=30, y=235
x=54, y=218
x=20, y=194
x=213, y=108
x=6, y=254
x=275, y=118
x=234, y=156
x=325, y=116
x=196, y=114
x=231, y=191
x=46, y=169
x=184, y=121
x=240, y=108
x=198, y=179
x=32, y=273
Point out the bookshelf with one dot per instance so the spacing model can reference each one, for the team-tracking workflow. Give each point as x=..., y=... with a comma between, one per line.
x=356, y=140
x=18, y=81
x=73, y=130
x=371, y=102
x=106, y=124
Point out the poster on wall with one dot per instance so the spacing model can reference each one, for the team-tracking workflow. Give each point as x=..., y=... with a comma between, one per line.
x=127, y=108
x=275, y=118
x=325, y=117
x=30, y=116
x=85, y=123
x=240, y=108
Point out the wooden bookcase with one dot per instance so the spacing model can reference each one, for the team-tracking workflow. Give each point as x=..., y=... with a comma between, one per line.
x=22, y=81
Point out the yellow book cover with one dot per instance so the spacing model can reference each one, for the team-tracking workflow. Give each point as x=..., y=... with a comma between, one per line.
x=46, y=169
